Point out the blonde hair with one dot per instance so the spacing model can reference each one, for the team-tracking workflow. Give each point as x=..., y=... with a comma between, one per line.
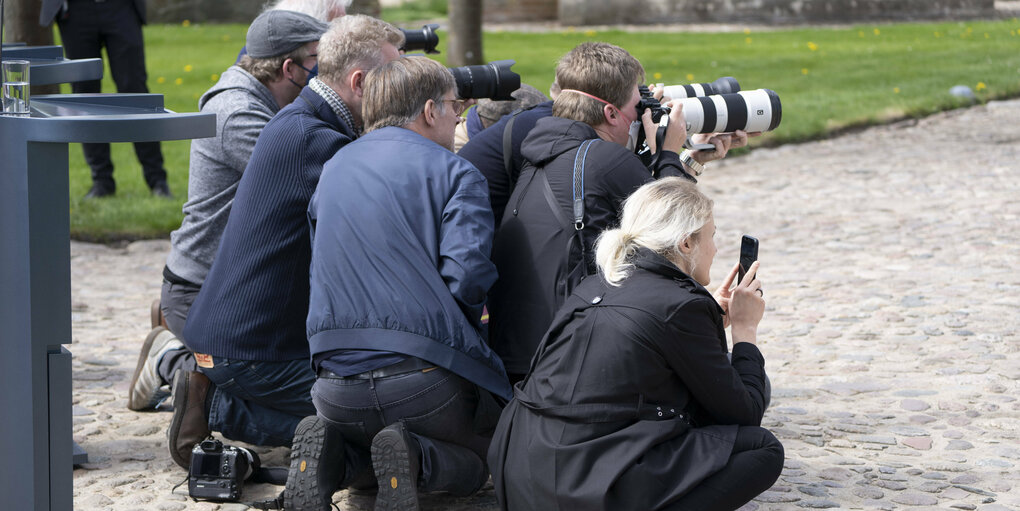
x=396, y=92
x=354, y=40
x=658, y=216
x=605, y=71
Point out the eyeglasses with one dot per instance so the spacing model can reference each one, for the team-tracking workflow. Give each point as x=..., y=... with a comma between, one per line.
x=459, y=105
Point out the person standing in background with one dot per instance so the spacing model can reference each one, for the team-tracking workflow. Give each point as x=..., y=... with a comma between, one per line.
x=86, y=26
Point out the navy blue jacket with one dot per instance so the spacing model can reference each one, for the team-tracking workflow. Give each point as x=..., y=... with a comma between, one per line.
x=485, y=151
x=401, y=236
x=254, y=301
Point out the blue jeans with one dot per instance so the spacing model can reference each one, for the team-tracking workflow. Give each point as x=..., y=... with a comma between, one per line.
x=440, y=410
x=257, y=402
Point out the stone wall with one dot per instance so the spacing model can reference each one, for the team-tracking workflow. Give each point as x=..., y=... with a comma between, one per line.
x=602, y=12
x=199, y=11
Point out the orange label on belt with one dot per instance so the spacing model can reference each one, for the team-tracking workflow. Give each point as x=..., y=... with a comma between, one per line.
x=203, y=360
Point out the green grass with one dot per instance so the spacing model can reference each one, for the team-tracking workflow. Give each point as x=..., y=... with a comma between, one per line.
x=829, y=80
x=412, y=11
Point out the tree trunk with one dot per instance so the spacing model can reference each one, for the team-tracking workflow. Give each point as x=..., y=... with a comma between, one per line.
x=367, y=7
x=465, y=46
x=21, y=25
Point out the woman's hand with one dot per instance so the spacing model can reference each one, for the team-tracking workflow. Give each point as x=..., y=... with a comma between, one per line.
x=723, y=294
x=746, y=307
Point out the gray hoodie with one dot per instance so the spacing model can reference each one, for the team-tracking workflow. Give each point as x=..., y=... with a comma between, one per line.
x=242, y=106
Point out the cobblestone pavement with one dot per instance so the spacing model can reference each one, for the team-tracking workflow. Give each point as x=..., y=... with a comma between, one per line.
x=889, y=258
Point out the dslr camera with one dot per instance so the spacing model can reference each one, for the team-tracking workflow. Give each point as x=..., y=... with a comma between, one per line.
x=493, y=80
x=218, y=471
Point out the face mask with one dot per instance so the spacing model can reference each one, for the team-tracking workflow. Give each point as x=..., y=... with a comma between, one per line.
x=632, y=135
x=311, y=74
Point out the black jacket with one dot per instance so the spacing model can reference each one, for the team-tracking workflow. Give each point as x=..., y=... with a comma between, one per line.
x=631, y=401
x=533, y=249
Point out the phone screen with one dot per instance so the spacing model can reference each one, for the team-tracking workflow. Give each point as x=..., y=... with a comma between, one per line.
x=748, y=255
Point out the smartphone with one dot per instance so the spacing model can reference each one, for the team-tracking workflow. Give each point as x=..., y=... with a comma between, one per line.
x=748, y=255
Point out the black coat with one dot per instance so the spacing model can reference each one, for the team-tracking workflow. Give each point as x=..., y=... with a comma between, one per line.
x=631, y=400
x=533, y=250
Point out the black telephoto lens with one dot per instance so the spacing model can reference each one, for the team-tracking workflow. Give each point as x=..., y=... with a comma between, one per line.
x=424, y=39
x=494, y=80
x=724, y=85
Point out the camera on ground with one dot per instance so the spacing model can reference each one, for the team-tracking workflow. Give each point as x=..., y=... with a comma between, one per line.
x=218, y=472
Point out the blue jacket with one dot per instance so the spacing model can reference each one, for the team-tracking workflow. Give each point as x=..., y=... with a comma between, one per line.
x=254, y=301
x=401, y=235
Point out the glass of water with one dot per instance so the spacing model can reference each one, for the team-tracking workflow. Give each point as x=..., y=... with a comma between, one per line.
x=16, y=88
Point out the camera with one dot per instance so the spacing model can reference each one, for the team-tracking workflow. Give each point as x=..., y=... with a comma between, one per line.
x=724, y=85
x=753, y=110
x=218, y=472
x=494, y=80
x=424, y=39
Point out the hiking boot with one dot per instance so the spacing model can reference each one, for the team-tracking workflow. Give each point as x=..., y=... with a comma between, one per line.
x=146, y=390
x=316, y=466
x=396, y=465
x=189, y=424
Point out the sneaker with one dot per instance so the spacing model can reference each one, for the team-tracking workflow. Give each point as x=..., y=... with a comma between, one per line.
x=316, y=466
x=189, y=424
x=396, y=465
x=146, y=389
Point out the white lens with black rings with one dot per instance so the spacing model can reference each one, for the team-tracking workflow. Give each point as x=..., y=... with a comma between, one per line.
x=724, y=85
x=751, y=111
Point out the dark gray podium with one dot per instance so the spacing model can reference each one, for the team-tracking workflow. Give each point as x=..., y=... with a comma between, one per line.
x=49, y=65
x=35, y=276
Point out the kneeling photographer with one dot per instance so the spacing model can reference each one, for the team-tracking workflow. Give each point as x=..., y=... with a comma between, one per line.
x=577, y=172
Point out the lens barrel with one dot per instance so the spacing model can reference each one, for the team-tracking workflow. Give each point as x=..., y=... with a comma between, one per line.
x=424, y=39
x=751, y=111
x=724, y=85
x=494, y=80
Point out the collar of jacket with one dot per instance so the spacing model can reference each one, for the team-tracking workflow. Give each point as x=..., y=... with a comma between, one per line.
x=649, y=260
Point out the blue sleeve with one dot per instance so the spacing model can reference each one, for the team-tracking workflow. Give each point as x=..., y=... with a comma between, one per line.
x=465, y=245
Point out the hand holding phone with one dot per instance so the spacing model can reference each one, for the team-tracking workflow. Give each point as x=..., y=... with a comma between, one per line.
x=748, y=255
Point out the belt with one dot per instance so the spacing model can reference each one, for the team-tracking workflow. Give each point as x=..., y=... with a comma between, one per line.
x=410, y=365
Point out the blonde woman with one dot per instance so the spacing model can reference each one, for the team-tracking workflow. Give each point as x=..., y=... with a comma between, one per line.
x=631, y=401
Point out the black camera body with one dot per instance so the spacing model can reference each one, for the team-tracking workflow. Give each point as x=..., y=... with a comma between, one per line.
x=648, y=101
x=218, y=472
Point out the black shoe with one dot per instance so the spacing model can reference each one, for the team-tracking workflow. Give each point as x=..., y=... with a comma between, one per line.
x=396, y=465
x=316, y=466
x=100, y=190
x=161, y=189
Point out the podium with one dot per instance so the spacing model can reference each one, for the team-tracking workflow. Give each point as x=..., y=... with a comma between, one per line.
x=49, y=65
x=35, y=276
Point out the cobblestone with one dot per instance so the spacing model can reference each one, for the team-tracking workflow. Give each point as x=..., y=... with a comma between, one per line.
x=889, y=260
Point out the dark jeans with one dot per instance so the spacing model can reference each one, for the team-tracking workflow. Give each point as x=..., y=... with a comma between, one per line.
x=754, y=465
x=440, y=410
x=259, y=403
x=87, y=28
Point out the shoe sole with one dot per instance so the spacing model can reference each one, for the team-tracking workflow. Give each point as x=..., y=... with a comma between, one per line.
x=302, y=492
x=142, y=357
x=180, y=395
x=398, y=487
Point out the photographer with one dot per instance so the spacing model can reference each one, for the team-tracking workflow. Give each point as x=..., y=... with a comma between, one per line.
x=679, y=425
x=247, y=326
x=541, y=250
x=401, y=232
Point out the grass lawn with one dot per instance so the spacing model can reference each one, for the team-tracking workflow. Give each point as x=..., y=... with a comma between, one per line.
x=828, y=80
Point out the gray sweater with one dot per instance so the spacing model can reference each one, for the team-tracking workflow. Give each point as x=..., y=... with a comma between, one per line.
x=242, y=106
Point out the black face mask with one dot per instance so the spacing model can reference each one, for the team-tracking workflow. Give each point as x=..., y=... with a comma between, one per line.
x=312, y=73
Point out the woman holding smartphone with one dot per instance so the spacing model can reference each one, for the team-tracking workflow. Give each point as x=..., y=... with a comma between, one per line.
x=631, y=401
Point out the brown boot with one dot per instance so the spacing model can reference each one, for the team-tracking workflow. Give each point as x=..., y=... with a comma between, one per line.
x=156, y=315
x=189, y=425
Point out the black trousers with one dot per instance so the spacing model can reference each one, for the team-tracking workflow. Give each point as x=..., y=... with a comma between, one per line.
x=754, y=465
x=85, y=28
